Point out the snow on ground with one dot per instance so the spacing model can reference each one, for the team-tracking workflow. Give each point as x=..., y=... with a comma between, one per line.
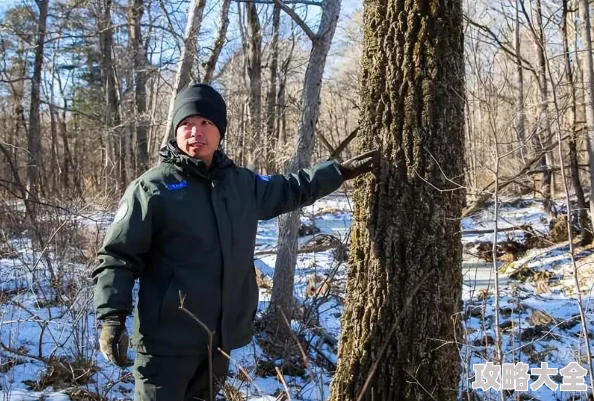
x=49, y=346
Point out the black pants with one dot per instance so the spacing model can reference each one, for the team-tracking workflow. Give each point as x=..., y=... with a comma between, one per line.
x=177, y=378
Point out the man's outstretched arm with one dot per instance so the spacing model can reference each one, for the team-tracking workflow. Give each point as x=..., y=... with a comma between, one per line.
x=278, y=194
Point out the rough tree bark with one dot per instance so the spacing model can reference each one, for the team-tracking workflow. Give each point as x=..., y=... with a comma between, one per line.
x=588, y=71
x=400, y=324
x=281, y=302
x=34, y=133
x=187, y=58
x=135, y=13
x=585, y=231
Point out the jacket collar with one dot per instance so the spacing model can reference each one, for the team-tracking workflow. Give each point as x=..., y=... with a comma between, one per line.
x=172, y=154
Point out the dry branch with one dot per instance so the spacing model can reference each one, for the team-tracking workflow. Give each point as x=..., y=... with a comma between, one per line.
x=211, y=394
x=525, y=63
x=334, y=153
x=480, y=202
x=318, y=243
x=490, y=230
x=310, y=34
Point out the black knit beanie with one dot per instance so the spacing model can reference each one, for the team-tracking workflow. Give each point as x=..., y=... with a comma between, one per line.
x=200, y=100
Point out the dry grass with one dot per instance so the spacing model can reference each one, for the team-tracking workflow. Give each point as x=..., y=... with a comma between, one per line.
x=62, y=373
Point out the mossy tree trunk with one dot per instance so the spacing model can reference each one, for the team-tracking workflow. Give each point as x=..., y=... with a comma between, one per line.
x=400, y=327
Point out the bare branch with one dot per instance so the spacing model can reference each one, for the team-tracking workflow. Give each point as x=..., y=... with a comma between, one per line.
x=525, y=63
x=13, y=81
x=344, y=143
x=479, y=203
x=218, y=42
x=282, y=380
x=210, y=334
x=310, y=34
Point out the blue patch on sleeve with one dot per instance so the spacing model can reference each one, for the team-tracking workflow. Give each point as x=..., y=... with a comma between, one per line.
x=178, y=185
x=262, y=177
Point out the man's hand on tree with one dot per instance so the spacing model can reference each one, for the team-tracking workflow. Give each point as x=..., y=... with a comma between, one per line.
x=359, y=164
x=113, y=341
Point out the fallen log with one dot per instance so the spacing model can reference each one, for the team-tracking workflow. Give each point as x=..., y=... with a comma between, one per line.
x=318, y=243
x=522, y=227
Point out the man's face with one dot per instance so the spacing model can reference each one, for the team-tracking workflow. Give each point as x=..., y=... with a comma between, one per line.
x=198, y=138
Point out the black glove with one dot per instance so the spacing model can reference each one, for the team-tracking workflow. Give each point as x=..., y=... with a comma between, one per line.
x=359, y=165
x=113, y=341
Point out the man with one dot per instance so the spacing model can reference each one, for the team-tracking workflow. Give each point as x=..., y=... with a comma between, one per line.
x=186, y=229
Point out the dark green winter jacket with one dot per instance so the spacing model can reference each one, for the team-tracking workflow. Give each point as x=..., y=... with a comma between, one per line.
x=184, y=230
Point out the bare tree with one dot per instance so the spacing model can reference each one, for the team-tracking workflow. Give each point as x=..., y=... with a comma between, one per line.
x=253, y=54
x=139, y=62
x=520, y=121
x=112, y=116
x=281, y=302
x=34, y=164
x=271, y=96
x=588, y=70
x=187, y=57
x=543, y=137
x=223, y=24
x=586, y=234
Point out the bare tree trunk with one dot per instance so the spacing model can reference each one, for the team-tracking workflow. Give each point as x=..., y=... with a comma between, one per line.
x=187, y=58
x=55, y=167
x=281, y=108
x=400, y=328
x=18, y=109
x=34, y=133
x=223, y=23
x=520, y=118
x=585, y=233
x=111, y=107
x=588, y=71
x=471, y=165
x=281, y=301
x=271, y=97
x=135, y=13
x=254, y=73
x=68, y=163
x=544, y=135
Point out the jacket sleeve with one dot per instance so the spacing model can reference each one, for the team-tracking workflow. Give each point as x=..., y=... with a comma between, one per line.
x=278, y=194
x=120, y=261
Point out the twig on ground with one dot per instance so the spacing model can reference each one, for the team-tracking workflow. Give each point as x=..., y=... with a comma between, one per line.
x=303, y=354
x=282, y=380
x=242, y=370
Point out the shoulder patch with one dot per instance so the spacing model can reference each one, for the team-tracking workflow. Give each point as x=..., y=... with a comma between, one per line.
x=262, y=177
x=121, y=213
x=177, y=185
